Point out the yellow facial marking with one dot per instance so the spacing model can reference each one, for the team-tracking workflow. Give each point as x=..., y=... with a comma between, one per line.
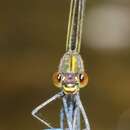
x=71, y=90
x=73, y=64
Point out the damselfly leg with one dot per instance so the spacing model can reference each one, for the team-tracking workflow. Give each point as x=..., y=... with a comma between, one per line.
x=41, y=106
x=70, y=112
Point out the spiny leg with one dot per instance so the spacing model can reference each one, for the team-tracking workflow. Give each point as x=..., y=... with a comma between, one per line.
x=38, y=108
x=78, y=119
x=66, y=113
x=79, y=103
x=70, y=110
x=75, y=118
x=62, y=116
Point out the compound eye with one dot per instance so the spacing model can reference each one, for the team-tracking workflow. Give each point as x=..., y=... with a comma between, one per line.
x=57, y=79
x=83, y=79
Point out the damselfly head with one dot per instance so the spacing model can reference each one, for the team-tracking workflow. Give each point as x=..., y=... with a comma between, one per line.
x=70, y=76
x=70, y=82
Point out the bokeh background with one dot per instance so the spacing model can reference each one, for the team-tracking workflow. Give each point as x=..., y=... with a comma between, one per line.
x=32, y=41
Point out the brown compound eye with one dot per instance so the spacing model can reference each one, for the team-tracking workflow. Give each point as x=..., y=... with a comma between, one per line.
x=83, y=79
x=57, y=79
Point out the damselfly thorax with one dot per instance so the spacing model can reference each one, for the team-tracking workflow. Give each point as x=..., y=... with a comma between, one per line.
x=71, y=75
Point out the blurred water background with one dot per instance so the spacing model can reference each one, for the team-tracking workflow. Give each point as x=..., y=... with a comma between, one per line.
x=32, y=40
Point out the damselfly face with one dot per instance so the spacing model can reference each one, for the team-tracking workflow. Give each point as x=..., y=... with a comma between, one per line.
x=71, y=76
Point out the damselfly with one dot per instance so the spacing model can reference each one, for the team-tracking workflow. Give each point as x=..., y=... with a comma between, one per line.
x=71, y=76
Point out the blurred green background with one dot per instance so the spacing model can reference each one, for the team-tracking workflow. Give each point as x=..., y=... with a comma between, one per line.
x=32, y=41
